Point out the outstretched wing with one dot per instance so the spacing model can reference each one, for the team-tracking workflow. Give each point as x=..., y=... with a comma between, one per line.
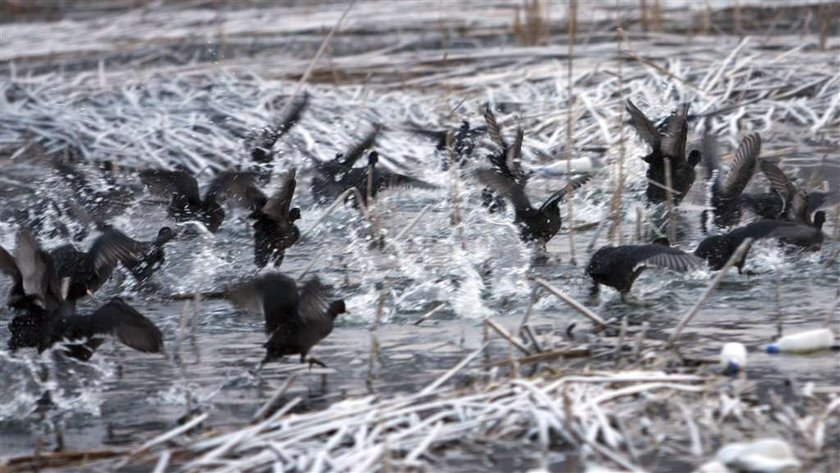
x=505, y=185
x=778, y=179
x=313, y=302
x=120, y=320
x=353, y=154
x=35, y=266
x=674, y=135
x=8, y=265
x=114, y=246
x=743, y=165
x=169, y=183
x=556, y=197
x=261, y=146
x=278, y=205
x=643, y=126
x=660, y=256
x=241, y=187
x=247, y=296
x=493, y=129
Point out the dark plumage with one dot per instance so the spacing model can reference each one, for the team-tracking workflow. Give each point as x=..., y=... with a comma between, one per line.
x=143, y=258
x=274, y=227
x=619, y=266
x=88, y=271
x=726, y=198
x=262, y=144
x=334, y=177
x=44, y=316
x=717, y=249
x=508, y=179
x=464, y=140
x=186, y=203
x=797, y=204
x=295, y=319
x=667, y=140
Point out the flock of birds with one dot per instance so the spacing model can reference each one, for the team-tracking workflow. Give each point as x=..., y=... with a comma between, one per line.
x=47, y=284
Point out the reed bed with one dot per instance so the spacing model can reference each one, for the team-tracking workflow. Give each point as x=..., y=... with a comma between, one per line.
x=149, y=88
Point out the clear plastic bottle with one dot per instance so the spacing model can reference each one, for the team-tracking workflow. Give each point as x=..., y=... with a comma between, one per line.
x=803, y=342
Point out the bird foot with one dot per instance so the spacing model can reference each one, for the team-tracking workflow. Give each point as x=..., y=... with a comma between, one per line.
x=750, y=273
x=315, y=361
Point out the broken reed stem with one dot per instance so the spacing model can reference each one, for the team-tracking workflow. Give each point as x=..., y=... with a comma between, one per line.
x=452, y=372
x=575, y=304
x=456, y=219
x=570, y=138
x=272, y=403
x=739, y=253
x=182, y=326
x=532, y=299
x=669, y=202
x=430, y=313
x=374, y=341
x=640, y=222
x=615, y=204
x=506, y=335
x=412, y=223
x=640, y=340
x=165, y=437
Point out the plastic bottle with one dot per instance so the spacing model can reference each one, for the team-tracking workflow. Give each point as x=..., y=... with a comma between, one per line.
x=733, y=357
x=803, y=342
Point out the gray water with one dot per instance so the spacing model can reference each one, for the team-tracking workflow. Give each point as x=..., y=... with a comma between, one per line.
x=152, y=119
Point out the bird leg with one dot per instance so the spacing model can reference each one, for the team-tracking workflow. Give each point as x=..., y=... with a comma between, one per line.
x=312, y=361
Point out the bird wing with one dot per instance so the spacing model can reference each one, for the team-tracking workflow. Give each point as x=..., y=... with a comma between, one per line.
x=8, y=265
x=241, y=187
x=743, y=165
x=278, y=205
x=313, y=303
x=642, y=124
x=34, y=265
x=514, y=154
x=246, y=296
x=262, y=144
x=120, y=320
x=661, y=256
x=556, y=197
x=711, y=154
x=675, y=133
x=778, y=179
x=353, y=154
x=114, y=246
x=505, y=185
x=493, y=128
x=167, y=183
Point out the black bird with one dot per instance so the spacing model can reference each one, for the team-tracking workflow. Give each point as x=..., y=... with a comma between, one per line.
x=797, y=204
x=330, y=176
x=726, y=196
x=186, y=203
x=336, y=176
x=465, y=139
x=45, y=318
x=295, y=320
x=88, y=271
x=717, y=249
x=619, y=266
x=143, y=258
x=262, y=144
x=667, y=140
x=274, y=220
x=508, y=179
